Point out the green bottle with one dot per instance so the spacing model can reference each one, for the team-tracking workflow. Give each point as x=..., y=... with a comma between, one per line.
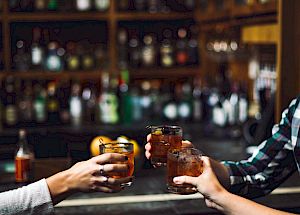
x=52, y=5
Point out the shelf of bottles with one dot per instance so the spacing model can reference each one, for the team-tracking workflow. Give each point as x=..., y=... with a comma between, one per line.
x=56, y=47
x=145, y=51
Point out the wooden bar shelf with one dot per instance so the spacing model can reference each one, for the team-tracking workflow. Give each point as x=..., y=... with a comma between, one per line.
x=137, y=16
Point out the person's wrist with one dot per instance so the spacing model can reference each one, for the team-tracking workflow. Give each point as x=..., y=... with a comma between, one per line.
x=220, y=196
x=68, y=180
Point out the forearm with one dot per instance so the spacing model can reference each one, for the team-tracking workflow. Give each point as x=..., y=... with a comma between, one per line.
x=221, y=172
x=59, y=186
x=231, y=204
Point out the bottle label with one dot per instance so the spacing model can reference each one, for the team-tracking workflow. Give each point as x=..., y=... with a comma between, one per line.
x=23, y=168
x=11, y=115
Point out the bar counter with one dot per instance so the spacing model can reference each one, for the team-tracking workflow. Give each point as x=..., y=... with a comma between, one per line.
x=148, y=193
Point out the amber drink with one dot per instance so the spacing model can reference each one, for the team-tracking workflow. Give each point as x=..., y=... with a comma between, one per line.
x=121, y=148
x=184, y=161
x=164, y=138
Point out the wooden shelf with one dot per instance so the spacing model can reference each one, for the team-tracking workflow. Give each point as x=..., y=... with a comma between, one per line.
x=164, y=73
x=53, y=75
x=57, y=16
x=136, y=16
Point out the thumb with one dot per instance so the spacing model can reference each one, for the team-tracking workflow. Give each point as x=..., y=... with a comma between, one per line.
x=185, y=180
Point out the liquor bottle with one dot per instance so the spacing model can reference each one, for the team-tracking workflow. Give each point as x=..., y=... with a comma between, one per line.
x=185, y=102
x=139, y=5
x=148, y=51
x=53, y=61
x=154, y=6
x=10, y=103
x=72, y=58
x=52, y=104
x=170, y=111
x=122, y=39
x=146, y=102
x=102, y=5
x=134, y=51
x=23, y=160
x=21, y=59
x=84, y=5
x=190, y=4
x=76, y=105
x=37, y=52
x=137, y=114
x=87, y=57
x=197, y=101
x=63, y=95
x=26, y=5
x=100, y=57
x=25, y=104
x=181, y=47
x=192, y=48
x=40, y=5
x=52, y=5
x=108, y=102
x=89, y=103
x=243, y=106
x=123, y=5
x=39, y=104
x=125, y=101
x=166, y=49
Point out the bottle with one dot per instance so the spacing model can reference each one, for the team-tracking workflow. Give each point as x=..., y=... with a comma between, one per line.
x=72, y=58
x=134, y=51
x=37, y=52
x=53, y=60
x=123, y=5
x=39, y=104
x=125, y=100
x=100, y=56
x=108, y=102
x=170, y=111
x=123, y=48
x=52, y=104
x=146, y=102
x=87, y=57
x=63, y=94
x=76, y=105
x=167, y=50
x=139, y=5
x=181, y=47
x=23, y=160
x=84, y=5
x=190, y=4
x=185, y=103
x=192, y=48
x=102, y=5
x=52, y=5
x=21, y=59
x=26, y=5
x=148, y=51
x=89, y=99
x=25, y=104
x=10, y=103
x=154, y=6
x=197, y=101
x=40, y=5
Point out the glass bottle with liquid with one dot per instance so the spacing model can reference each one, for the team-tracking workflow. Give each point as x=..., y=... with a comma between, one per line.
x=23, y=160
x=167, y=49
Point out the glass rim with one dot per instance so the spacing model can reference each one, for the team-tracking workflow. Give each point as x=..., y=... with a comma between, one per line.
x=164, y=126
x=115, y=144
x=184, y=149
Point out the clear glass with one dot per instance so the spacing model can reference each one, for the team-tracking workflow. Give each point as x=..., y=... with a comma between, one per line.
x=121, y=148
x=184, y=161
x=163, y=138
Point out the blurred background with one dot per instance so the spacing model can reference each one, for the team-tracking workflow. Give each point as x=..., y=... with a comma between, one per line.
x=74, y=70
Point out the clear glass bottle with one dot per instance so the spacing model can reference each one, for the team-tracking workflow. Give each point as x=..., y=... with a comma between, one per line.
x=23, y=160
x=148, y=51
x=102, y=5
x=21, y=59
x=39, y=104
x=84, y=5
x=37, y=51
x=76, y=105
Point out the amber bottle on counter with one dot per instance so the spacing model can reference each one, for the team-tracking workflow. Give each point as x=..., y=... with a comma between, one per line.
x=23, y=160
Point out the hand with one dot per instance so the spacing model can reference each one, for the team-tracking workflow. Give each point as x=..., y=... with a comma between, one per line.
x=207, y=184
x=185, y=143
x=85, y=177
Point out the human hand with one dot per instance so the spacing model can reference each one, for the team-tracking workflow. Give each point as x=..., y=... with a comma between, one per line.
x=185, y=143
x=89, y=176
x=207, y=184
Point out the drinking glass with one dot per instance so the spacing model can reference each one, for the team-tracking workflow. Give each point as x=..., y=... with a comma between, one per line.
x=121, y=148
x=163, y=138
x=184, y=161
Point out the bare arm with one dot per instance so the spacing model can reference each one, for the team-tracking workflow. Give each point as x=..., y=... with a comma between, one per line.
x=219, y=198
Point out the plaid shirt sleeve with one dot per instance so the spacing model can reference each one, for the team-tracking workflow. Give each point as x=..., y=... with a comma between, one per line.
x=271, y=164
